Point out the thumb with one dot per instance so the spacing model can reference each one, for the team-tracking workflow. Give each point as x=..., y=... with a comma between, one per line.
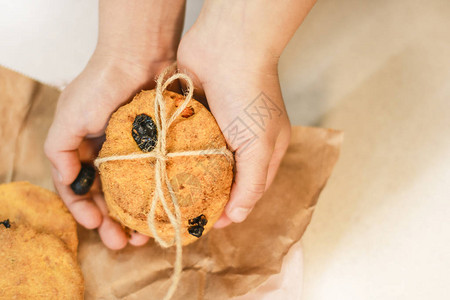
x=250, y=181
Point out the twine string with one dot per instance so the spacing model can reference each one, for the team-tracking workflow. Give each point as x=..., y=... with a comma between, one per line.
x=160, y=154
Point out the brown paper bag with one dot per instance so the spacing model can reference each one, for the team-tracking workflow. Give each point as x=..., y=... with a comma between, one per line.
x=224, y=263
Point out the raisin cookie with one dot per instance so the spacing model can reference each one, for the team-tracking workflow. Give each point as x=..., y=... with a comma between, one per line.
x=201, y=182
x=39, y=208
x=36, y=265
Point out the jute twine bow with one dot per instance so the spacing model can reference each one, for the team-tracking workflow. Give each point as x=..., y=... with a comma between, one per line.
x=161, y=156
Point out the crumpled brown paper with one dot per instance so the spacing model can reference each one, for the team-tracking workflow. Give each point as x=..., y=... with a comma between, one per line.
x=224, y=263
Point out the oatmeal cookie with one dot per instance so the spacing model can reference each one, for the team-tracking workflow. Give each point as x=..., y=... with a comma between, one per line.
x=39, y=208
x=201, y=183
x=36, y=265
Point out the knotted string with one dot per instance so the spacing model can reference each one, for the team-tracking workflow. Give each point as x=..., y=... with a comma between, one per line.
x=161, y=156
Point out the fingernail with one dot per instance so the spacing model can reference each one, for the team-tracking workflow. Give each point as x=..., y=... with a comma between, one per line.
x=238, y=214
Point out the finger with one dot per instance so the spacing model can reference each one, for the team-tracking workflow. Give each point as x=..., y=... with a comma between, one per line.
x=222, y=222
x=275, y=160
x=82, y=208
x=250, y=180
x=89, y=148
x=61, y=148
x=111, y=233
x=138, y=239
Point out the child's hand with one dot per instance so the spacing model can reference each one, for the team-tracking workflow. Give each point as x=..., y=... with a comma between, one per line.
x=232, y=54
x=136, y=42
x=259, y=135
x=83, y=111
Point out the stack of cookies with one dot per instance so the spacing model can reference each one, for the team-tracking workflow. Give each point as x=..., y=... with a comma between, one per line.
x=38, y=239
x=201, y=182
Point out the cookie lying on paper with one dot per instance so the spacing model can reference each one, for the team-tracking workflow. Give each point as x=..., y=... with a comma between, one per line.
x=201, y=183
x=39, y=208
x=36, y=265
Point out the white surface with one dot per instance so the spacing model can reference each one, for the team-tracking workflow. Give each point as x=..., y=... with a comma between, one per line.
x=285, y=285
x=49, y=40
x=380, y=70
x=52, y=40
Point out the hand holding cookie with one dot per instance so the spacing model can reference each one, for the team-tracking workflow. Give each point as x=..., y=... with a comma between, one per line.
x=232, y=54
x=129, y=55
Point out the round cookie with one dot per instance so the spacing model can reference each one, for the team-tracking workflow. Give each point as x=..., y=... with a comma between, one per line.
x=201, y=183
x=37, y=265
x=39, y=208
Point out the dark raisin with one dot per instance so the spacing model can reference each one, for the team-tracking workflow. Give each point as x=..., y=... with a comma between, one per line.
x=200, y=220
x=196, y=230
x=196, y=225
x=144, y=132
x=82, y=184
x=6, y=223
